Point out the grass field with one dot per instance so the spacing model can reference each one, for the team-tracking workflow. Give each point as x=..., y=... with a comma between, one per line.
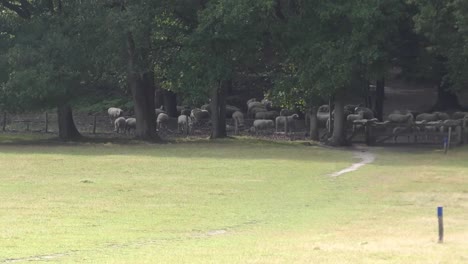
x=232, y=201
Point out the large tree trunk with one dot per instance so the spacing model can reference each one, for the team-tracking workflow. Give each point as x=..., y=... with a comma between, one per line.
x=379, y=98
x=170, y=103
x=67, y=128
x=339, y=133
x=158, y=98
x=446, y=99
x=313, y=122
x=218, y=112
x=142, y=88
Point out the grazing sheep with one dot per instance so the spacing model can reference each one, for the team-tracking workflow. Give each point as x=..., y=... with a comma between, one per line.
x=266, y=115
x=427, y=117
x=368, y=113
x=281, y=120
x=114, y=113
x=442, y=116
x=162, y=121
x=239, y=118
x=119, y=124
x=183, y=122
x=198, y=115
x=401, y=118
x=460, y=115
x=159, y=111
x=130, y=124
x=229, y=109
x=262, y=124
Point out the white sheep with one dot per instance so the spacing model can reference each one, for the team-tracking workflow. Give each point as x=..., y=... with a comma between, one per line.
x=281, y=120
x=266, y=115
x=130, y=124
x=427, y=117
x=262, y=124
x=442, y=116
x=238, y=117
x=401, y=118
x=368, y=113
x=159, y=111
x=119, y=124
x=114, y=113
x=184, y=122
x=198, y=114
x=162, y=121
x=460, y=115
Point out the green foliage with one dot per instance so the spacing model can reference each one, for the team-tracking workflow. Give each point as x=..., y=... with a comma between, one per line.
x=445, y=25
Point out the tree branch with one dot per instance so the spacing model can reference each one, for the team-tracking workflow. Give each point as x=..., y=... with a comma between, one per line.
x=22, y=9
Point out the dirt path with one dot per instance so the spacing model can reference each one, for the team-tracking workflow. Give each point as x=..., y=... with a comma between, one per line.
x=360, y=153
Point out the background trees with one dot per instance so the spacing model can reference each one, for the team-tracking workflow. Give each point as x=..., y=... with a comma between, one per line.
x=57, y=53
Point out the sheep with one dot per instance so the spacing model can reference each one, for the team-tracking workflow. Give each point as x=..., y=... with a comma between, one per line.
x=162, y=121
x=182, y=110
x=350, y=109
x=183, y=122
x=230, y=109
x=401, y=118
x=251, y=101
x=159, y=111
x=130, y=124
x=114, y=113
x=267, y=103
x=460, y=115
x=254, y=107
x=198, y=115
x=281, y=120
x=286, y=112
x=398, y=130
x=119, y=124
x=262, y=124
x=368, y=113
x=238, y=117
x=323, y=113
x=427, y=117
x=266, y=115
x=442, y=116
x=352, y=117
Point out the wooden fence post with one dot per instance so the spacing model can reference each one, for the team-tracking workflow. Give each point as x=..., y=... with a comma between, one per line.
x=4, y=120
x=46, y=122
x=94, y=124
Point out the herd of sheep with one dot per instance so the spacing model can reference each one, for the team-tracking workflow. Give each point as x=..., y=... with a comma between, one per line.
x=267, y=118
x=262, y=111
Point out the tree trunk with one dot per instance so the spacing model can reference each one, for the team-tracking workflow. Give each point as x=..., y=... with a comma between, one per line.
x=142, y=87
x=218, y=112
x=446, y=99
x=314, y=130
x=170, y=103
x=379, y=98
x=339, y=134
x=158, y=98
x=66, y=125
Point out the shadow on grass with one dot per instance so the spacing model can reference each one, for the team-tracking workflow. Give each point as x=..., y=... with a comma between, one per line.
x=229, y=148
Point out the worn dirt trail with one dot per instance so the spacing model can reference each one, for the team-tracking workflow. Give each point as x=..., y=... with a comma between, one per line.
x=366, y=157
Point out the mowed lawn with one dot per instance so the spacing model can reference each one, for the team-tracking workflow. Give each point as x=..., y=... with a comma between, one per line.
x=232, y=201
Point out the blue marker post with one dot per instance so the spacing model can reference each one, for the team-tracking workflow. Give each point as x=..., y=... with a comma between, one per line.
x=440, y=215
x=445, y=145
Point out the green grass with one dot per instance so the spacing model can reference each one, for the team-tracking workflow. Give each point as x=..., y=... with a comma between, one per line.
x=231, y=201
